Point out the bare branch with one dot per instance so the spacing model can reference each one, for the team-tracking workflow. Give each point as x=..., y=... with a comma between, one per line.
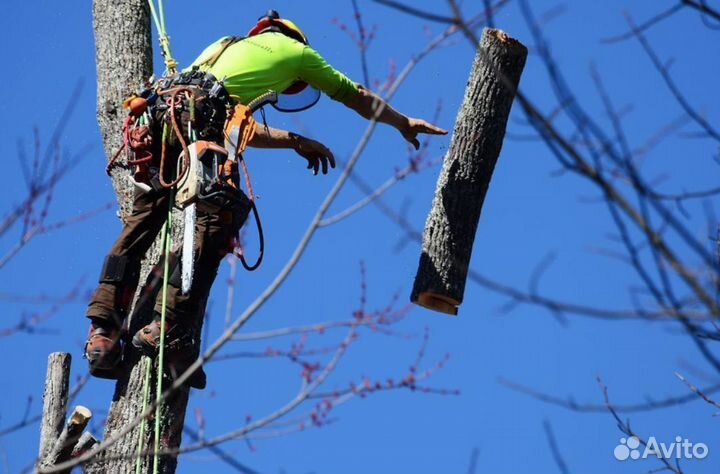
x=362, y=42
x=417, y=12
x=674, y=89
x=703, y=8
x=646, y=25
x=624, y=426
x=570, y=404
x=554, y=449
x=700, y=393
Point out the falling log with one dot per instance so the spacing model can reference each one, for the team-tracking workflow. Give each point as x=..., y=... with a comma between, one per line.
x=55, y=398
x=69, y=436
x=466, y=172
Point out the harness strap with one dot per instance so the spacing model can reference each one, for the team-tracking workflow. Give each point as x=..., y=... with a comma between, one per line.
x=224, y=45
x=242, y=119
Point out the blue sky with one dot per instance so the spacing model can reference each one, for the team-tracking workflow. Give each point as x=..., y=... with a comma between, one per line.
x=529, y=213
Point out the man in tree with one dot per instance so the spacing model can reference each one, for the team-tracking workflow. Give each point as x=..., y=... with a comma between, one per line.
x=275, y=56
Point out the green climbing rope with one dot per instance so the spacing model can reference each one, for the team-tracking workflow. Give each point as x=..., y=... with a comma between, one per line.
x=158, y=16
x=159, y=19
x=167, y=241
x=146, y=387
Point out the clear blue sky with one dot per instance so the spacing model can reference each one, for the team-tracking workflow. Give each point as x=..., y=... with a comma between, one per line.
x=48, y=48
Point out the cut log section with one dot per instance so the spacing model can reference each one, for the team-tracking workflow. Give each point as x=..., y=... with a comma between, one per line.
x=466, y=172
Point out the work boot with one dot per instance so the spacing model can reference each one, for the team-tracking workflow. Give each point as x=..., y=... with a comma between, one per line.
x=179, y=351
x=103, y=349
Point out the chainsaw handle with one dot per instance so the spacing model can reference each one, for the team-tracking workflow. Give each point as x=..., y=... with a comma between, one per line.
x=269, y=97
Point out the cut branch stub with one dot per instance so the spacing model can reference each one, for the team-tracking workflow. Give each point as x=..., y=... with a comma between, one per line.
x=69, y=436
x=86, y=442
x=467, y=169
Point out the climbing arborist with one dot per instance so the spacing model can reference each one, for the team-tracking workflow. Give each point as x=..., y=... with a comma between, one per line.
x=274, y=56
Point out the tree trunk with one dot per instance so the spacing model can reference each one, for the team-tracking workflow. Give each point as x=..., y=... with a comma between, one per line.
x=55, y=398
x=124, y=61
x=467, y=169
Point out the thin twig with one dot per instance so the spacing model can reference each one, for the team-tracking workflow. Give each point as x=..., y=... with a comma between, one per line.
x=701, y=393
x=417, y=12
x=554, y=449
x=362, y=37
x=646, y=25
x=570, y=404
x=674, y=89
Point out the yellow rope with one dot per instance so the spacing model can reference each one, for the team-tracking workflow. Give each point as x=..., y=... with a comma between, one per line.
x=146, y=396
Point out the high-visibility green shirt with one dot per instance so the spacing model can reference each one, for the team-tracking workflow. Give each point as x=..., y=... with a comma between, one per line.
x=273, y=61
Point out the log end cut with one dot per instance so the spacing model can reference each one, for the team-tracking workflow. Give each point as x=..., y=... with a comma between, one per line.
x=436, y=302
x=80, y=416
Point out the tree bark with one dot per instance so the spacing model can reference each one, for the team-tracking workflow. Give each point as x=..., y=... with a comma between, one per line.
x=55, y=398
x=124, y=61
x=467, y=169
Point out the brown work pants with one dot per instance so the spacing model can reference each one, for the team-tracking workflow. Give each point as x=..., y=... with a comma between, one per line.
x=214, y=238
x=215, y=231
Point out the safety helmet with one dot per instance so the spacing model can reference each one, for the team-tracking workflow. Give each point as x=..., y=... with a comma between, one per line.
x=304, y=96
x=272, y=20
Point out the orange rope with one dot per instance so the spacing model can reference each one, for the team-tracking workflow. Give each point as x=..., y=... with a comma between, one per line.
x=178, y=133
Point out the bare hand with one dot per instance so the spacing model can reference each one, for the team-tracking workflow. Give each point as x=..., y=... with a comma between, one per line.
x=417, y=126
x=315, y=153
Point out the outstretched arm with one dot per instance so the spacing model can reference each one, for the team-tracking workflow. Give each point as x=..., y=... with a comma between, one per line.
x=366, y=103
x=317, y=155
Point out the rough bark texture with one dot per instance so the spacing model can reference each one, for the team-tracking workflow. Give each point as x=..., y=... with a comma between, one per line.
x=124, y=61
x=55, y=398
x=465, y=176
x=123, y=58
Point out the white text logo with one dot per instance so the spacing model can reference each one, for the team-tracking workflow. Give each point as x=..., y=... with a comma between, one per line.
x=630, y=448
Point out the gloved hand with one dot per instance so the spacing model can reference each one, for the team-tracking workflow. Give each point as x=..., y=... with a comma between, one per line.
x=315, y=153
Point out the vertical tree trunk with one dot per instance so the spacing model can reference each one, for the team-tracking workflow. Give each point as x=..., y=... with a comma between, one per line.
x=55, y=398
x=124, y=61
x=465, y=176
x=123, y=58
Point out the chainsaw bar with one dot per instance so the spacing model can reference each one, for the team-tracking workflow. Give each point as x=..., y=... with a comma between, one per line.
x=188, y=250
